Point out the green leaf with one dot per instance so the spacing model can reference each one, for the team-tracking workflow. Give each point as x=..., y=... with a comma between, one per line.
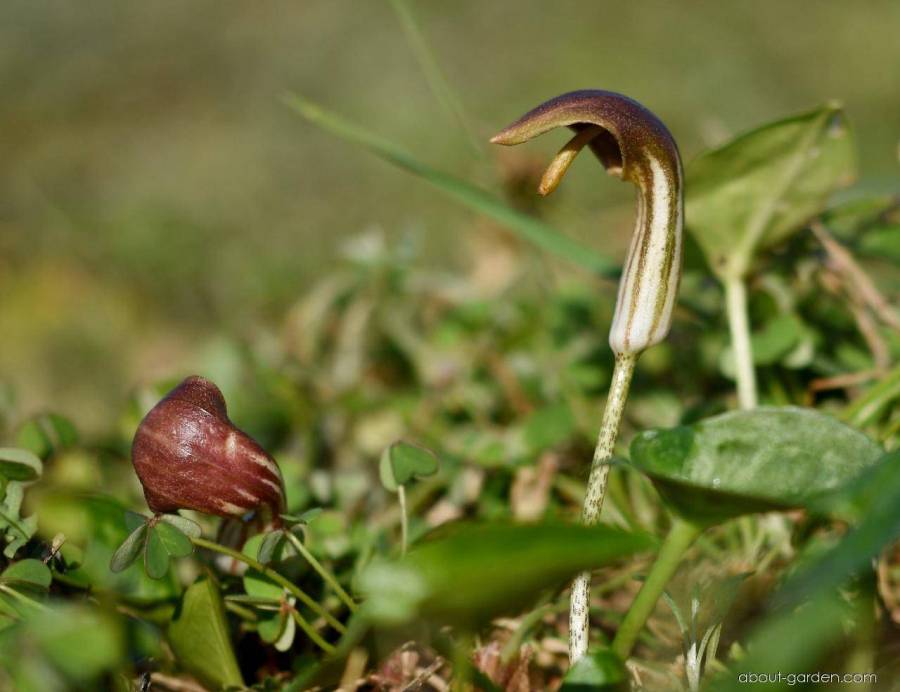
x=278, y=627
x=882, y=242
x=790, y=641
x=271, y=626
x=133, y=520
x=255, y=583
x=751, y=461
x=848, y=218
x=78, y=641
x=303, y=518
x=402, y=461
x=476, y=199
x=163, y=539
x=776, y=339
x=599, y=670
x=174, y=541
x=10, y=611
x=289, y=631
x=33, y=573
x=18, y=530
x=46, y=434
x=188, y=527
x=260, y=586
x=548, y=427
x=98, y=525
x=876, y=401
x=808, y=617
x=156, y=558
x=873, y=500
x=270, y=543
x=200, y=639
x=471, y=573
x=759, y=188
x=129, y=550
x=772, y=344
x=19, y=464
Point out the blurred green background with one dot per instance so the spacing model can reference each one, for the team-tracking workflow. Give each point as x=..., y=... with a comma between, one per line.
x=158, y=197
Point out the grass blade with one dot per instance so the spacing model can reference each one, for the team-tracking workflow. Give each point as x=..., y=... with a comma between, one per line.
x=434, y=75
x=481, y=201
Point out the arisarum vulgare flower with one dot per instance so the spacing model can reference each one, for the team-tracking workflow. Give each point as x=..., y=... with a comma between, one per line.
x=634, y=145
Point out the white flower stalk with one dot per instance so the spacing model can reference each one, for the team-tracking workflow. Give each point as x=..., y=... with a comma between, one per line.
x=634, y=145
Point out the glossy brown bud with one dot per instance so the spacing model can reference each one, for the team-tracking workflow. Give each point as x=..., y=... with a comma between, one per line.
x=189, y=455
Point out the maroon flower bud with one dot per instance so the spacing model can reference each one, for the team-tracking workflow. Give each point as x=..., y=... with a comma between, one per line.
x=189, y=455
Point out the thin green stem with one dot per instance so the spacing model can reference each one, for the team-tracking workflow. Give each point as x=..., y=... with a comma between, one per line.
x=240, y=611
x=404, y=519
x=22, y=598
x=579, y=610
x=435, y=77
x=682, y=534
x=292, y=588
x=311, y=632
x=329, y=578
x=739, y=325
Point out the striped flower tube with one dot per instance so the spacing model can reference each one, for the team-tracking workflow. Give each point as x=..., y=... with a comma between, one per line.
x=634, y=145
x=189, y=455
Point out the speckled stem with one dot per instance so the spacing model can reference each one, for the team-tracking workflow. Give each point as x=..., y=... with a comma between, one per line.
x=634, y=145
x=579, y=605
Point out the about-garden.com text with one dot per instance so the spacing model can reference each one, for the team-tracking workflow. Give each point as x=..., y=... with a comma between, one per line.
x=818, y=677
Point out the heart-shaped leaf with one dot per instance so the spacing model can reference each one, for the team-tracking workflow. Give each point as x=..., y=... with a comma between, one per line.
x=759, y=188
x=186, y=526
x=156, y=557
x=165, y=541
x=256, y=584
x=173, y=540
x=129, y=550
x=751, y=461
x=472, y=573
x=158, y=539
x=270, y=626
x=19, y=464
x=200, y=639
x=271, y=543
x=402, y=461
x=278, y=627
x=133, y=520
